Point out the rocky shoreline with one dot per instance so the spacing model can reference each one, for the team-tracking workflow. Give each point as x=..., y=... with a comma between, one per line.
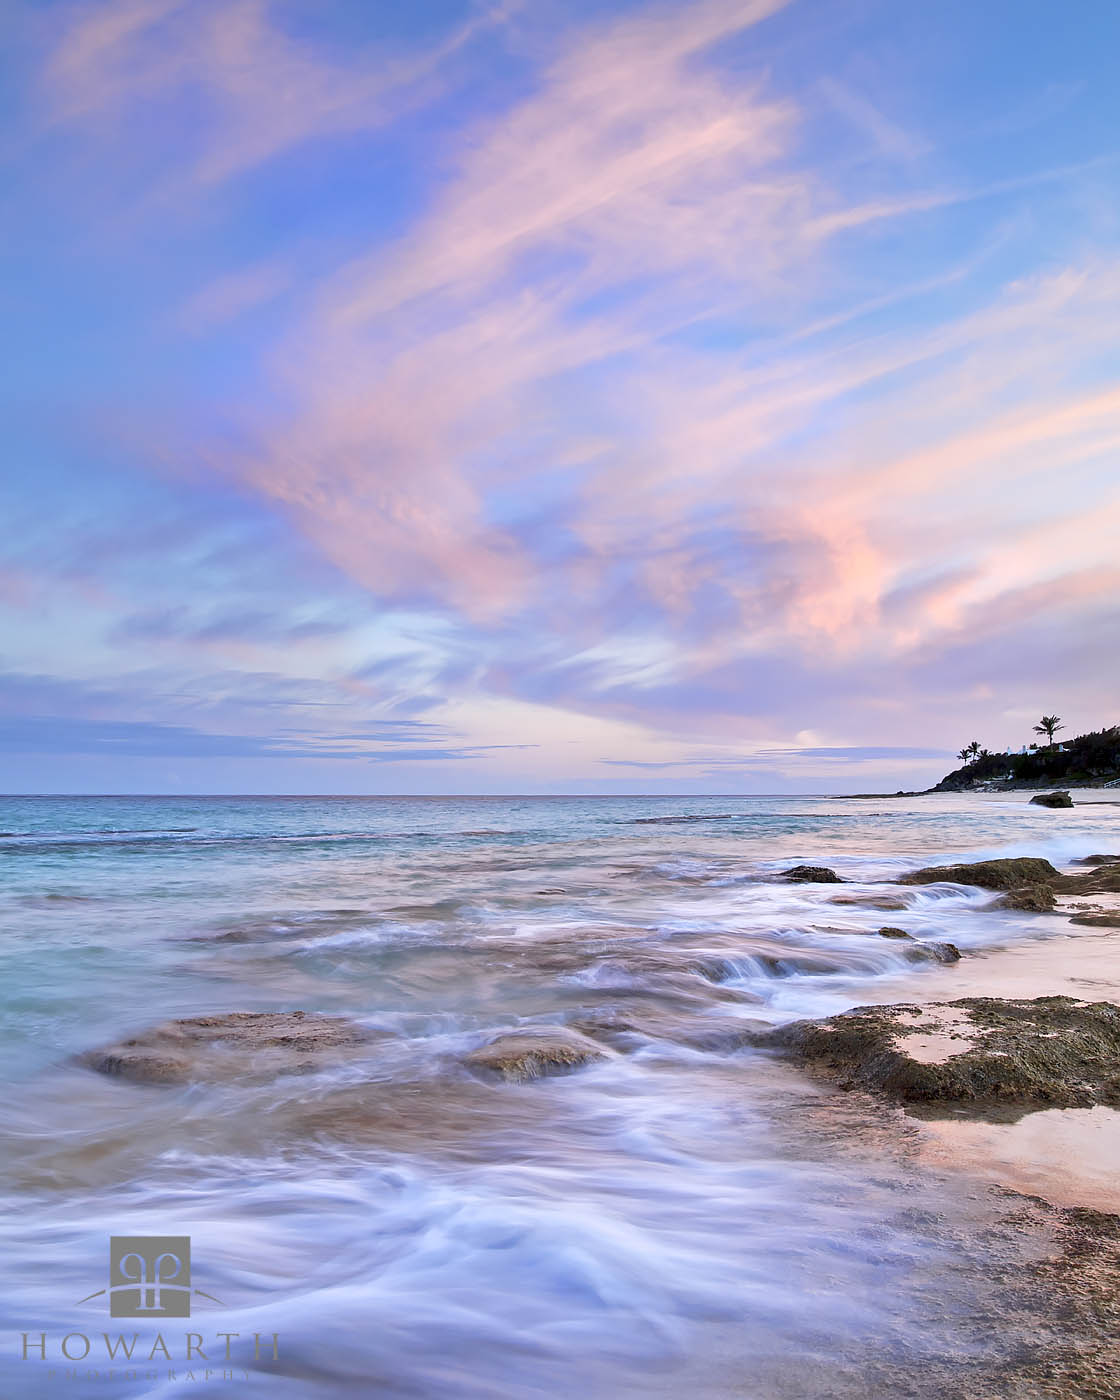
x=974, y=785
x=975, y=1054
x=1044, y=1052
x=999, y=1059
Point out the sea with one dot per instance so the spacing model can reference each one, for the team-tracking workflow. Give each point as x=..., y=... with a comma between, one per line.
x=688, y=1215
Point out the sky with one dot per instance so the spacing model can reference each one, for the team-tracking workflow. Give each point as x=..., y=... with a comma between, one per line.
x=571, y=396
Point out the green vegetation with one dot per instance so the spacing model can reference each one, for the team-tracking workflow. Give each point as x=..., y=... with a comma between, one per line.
x=1089, y=759
x=1049, y=725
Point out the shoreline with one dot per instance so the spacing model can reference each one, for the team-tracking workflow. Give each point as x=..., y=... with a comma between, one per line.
x=986, y=789
x=1066, y=1162
x=539, y=1046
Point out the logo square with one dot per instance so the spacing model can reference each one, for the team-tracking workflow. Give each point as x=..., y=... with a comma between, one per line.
x=149, y=1276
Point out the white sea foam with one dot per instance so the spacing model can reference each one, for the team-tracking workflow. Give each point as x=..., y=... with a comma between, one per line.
x=663, y=1223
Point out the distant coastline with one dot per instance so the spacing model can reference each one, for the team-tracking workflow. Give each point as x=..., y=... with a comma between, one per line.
x=1089, y=761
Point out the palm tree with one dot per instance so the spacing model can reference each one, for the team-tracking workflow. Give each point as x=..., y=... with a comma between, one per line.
x=965, y=754
x=1049, y=725
x=973, y=749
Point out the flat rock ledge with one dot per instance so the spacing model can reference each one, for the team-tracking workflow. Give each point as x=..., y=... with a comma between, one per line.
x=1020, y=874
x=988, y=874
x=533, y=1052
x=980, y=1052
x=230, y=1046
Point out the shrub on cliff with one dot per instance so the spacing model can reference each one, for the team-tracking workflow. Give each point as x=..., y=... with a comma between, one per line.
x=1089, y=758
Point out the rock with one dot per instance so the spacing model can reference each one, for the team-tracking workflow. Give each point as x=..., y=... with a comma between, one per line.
x=812, y=874
x=627, y=1027
x=1096, y=860
x=890, y=932
x=1029, y=899
x=1105, y=879
x=681, y=977
x=1105, y=919
x=534, y=1051
x=1052, y=799
x=988, y=874
x=230, y=1046
x=942, y=952
x=1052, y=1052
x=888, y=904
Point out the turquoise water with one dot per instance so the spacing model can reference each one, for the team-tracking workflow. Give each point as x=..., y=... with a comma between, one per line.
x=651, y=1224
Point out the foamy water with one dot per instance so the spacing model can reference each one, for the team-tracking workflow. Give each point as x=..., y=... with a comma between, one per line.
x=688, y=1214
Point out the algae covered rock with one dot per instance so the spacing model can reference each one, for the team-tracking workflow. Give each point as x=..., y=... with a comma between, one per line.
x=1007, y=874
x=1050, y=1052
x=942, y=952
x=1029, y=899
x=629, y=1026
x=886, y=903
x=812, y=874
x=1105, y=879
x=922, y=951
x=1052, y=799
x=230, y=1046
x=534, y=1051
x=1021, y=873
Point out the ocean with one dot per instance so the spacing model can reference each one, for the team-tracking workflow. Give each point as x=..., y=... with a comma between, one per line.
x=686, y=1215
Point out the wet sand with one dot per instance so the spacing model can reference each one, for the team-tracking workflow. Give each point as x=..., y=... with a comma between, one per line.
x=1069, y=1156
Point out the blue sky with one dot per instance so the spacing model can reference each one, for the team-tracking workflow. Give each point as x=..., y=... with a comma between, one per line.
x=717, y=396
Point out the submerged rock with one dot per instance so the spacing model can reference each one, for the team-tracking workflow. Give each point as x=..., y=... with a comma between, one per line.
x=1052, y=1052
x=812, y=874
x=942, y=952
x=887, y=903
x=1052, y=799
x=922, y=951
x=988, y=874
x=230, y=1046
x=1104, y=919
x=627, y=1027
x=1029, y=899
x=534, y=1051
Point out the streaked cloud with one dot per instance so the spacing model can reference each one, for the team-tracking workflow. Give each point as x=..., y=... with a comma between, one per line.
x=263, y=89
x=664, y=372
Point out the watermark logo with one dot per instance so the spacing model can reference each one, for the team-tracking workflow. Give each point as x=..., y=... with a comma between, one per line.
x=149, y=1277
x=149, y=1281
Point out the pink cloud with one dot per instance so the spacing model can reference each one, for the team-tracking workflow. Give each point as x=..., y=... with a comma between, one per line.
x=263, y=90
x=538, y=333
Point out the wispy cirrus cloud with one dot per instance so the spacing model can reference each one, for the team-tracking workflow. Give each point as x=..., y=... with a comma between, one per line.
x=567, y=278
x=259, y=88
x=66, y=735
x=852, y=753
x=685, y=381
x=104, y=722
